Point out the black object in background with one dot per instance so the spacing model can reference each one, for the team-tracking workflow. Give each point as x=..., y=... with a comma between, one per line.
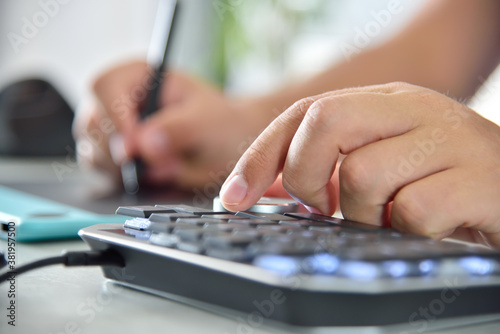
x=35, y=120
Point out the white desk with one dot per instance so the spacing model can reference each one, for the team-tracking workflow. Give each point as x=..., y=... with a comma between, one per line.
x=56, y=300
x=78, y=300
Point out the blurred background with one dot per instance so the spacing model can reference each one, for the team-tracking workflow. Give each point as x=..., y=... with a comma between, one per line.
x=244, y=47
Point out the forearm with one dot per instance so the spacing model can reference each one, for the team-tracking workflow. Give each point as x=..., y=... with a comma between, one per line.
x=450, y=47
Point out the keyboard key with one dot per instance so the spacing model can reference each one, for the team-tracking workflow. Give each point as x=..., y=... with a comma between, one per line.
x=189, y=234
x=228, y=241
x=264, y=228
x=301, y=233
x=228, y=227
x=292, y=229
x=326, y=229
x=197, y=221
x=288, y=246
x=270, y=236
x=223, y=216
x=188, y=209
x=137, y=224
x=265, y=216
x=320, y=263
x=163, y=227
x=332, y=243
x=167, y=227
x=143, y=211
x=170, y=217
x=164, y=239
x=336, y=221
x=138, y=234
x=251, y=222
x=355, y=235
x=303, y=223
x=190, y=247
x=252, y=233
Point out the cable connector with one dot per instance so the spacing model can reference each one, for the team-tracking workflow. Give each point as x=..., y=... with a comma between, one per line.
x=3, y=261
x=106, y=257
x=93, y=258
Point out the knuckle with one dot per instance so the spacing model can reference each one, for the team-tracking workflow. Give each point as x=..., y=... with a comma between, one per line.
x=291, y=118
x=354, y=176
x=258, y=155
x=318, y=114
x=298, y=109
x=412, y=212
x=327, y=115
x=303, y=105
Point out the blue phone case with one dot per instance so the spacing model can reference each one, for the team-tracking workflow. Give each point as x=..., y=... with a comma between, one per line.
x=34, y=218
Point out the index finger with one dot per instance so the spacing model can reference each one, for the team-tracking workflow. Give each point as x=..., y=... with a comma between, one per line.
x=261, y=163
x=259, y=166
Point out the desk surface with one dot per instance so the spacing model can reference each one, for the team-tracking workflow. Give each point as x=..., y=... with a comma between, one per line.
x=79, y=300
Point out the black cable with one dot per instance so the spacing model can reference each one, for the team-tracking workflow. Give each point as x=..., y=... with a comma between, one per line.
x=70, y=259
x=3, y=260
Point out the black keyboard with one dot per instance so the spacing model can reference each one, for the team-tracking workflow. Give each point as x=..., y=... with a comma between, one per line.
x=300, y=269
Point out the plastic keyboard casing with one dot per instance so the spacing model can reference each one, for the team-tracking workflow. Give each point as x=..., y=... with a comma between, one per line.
x=301, y=269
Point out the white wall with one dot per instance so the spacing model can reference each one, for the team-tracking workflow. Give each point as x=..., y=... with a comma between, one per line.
x=487, y=100
x=82, y=37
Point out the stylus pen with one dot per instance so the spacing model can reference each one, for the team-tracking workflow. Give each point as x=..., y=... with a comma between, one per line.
x=132, y=170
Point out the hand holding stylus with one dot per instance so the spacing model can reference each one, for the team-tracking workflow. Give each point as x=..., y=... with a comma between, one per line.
x=194, y=138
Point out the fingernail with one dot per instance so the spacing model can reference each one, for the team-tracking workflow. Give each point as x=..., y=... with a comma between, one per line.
x=156, y=140
x=313, y=210
x=234, y=191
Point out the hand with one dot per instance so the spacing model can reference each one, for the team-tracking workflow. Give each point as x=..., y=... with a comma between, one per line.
x=195, y=137
x=415, y=159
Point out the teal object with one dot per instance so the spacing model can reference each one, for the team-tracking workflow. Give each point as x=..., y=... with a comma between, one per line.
x=34, y=218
